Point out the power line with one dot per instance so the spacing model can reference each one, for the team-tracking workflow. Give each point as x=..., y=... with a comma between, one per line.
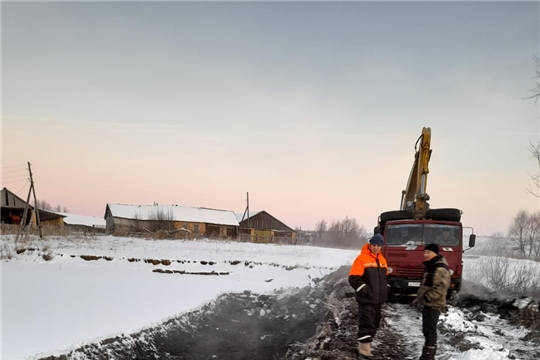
x=12, y=171
x=12, y=166
x=26, y=183
x=12, y=181
x=13, y=176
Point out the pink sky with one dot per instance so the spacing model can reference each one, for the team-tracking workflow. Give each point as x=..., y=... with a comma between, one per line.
x=315, y=122
x=84, y=166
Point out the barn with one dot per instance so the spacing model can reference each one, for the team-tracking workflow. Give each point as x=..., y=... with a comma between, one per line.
x=83, y=223
x=192, y=222
x=12, y=211
x=262, y=227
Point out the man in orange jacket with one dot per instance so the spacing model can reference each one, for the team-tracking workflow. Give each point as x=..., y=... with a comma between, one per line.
x=368, y=277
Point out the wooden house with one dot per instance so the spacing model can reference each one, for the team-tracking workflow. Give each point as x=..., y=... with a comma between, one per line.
x=192, y=221
x=262, y=227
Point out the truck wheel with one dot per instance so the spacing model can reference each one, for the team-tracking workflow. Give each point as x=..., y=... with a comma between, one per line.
x=392, y=215
x=449, y=214
x=395, y=215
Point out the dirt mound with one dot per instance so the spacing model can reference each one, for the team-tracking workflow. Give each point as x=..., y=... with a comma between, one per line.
x=336, y=336
x=235, y=326
x=316, y=322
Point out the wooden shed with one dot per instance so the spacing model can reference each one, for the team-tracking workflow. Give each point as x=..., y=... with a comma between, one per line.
x=12, y=211
x=262, y=227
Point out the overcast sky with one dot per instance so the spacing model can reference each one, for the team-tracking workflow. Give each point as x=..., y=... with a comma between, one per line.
x=312, y=108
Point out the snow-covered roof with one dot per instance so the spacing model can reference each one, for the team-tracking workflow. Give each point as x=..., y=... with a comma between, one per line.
x=174, y=212
x=84, y=220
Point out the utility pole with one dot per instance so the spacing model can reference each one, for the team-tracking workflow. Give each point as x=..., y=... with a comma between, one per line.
x=247, y=212
x=35, y=202
x=27, y=205
x=247, y=208
x=25, y=214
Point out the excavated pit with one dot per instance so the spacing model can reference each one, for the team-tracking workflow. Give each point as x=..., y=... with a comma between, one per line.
x=316, y=322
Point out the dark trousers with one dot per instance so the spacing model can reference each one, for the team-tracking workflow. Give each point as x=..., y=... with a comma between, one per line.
x=430, y=317
x=369, y=318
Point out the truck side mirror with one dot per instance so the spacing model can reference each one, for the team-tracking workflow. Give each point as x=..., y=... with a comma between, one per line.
x=472, y=240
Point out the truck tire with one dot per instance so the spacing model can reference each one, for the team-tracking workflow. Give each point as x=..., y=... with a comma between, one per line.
x=392, y=215
x=395, y=215
x=449, y=214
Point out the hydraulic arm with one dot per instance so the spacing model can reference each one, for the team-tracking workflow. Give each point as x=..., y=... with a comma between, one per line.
x=414, y=198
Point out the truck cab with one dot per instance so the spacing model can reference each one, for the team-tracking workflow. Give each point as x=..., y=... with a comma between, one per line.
x=405, y=241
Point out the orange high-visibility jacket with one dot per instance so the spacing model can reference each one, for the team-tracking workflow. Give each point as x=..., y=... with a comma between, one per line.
x=368, y=277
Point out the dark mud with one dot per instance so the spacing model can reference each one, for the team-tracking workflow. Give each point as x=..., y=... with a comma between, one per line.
x=316, y=322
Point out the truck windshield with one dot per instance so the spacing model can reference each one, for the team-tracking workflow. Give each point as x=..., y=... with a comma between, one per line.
x=421, y=234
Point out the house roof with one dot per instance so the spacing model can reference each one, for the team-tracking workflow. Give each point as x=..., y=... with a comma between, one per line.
x=173, y=212
x=83, y=220
x=251, y=214
x=14, y=197
x=46, y=215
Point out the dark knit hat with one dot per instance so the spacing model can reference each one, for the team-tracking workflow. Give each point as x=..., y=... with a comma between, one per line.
x=377, y=239
x=432, y=247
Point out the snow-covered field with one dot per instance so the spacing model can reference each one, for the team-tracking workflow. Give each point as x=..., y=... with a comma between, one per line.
x=49, y=306
x=52, y=305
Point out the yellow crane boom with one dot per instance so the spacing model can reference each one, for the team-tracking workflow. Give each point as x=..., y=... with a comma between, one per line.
x=415, y=198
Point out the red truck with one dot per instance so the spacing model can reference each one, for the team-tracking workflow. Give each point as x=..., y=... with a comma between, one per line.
x=406, y=231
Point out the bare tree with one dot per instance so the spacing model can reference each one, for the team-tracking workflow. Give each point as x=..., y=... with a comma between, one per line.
x=535, y=149
x=518, y=230
x=334, y=233
x=60, y=208
x=346, y=233
x=536, y=89
x=320, y=228
x=507, y=275
x=353, y=233
x=535, y=178
x=533, y=234
x=498, y=245
x=44, y=205
x=161, y=219
x=496, y=272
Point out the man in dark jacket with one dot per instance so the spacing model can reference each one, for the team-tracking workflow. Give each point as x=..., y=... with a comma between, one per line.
x=432, y=295
x=368, y=277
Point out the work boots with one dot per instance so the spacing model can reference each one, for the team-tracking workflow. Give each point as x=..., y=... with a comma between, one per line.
x=365, y=351
x=428, y=353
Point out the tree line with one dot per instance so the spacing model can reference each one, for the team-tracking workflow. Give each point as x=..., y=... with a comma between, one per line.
x=524, y=232
x=344, y=234
x=45, y=205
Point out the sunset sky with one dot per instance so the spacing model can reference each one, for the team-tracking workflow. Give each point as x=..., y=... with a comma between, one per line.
x=313, y=108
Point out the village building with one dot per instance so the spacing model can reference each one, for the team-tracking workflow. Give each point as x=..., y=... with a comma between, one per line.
x=13, y=207
x=190, y=222
x=83, y=223
x=262, y=227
